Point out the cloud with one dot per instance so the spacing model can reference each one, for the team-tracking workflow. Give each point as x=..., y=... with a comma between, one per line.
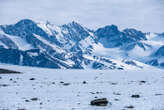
x=146, y=15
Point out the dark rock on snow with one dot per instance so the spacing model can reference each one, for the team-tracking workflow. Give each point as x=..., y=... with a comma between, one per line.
x=99, y=102
x=6, y=71
x=135, y=96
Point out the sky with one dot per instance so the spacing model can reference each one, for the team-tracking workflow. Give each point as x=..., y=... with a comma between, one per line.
x=145, y=15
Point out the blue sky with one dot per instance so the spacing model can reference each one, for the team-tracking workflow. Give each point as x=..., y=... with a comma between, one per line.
x=146, y=15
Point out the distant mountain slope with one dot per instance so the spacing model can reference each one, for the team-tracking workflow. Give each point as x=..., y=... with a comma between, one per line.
x=72, y=46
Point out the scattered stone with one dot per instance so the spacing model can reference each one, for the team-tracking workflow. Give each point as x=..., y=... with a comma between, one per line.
x=66, y=84
x=95, y=78
x=135, y=96
x=11, y=79
x=84, y=82
x=98, y=92
x=72, y=108
x=34, y=99
x=92, y=92
x=116, y=99
x=158, y=94
x=4, y=108
x=21, y=109
x=113, y=83
x=129, y=107
x=142, y=81
x=32, y=78
x=14, y=81
x=41, y=103
x=116, y=93
x=4, y=85
x=61, y=82
x=27, y=101
x=53, y=82
x=99, y=102
x=0, y=77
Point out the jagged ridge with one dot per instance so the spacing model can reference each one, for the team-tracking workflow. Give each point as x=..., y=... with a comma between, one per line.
x=74, y=46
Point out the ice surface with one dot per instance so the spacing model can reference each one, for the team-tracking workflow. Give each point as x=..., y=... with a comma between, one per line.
x=117, y=86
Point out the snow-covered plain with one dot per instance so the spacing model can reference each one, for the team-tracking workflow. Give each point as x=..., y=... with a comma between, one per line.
x=65, y=90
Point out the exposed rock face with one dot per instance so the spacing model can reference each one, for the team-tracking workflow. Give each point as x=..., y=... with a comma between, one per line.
x=73, y=46
x=160, y=52
x=46, y=45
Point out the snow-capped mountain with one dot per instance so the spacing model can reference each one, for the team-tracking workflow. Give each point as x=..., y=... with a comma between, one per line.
x=73, y=46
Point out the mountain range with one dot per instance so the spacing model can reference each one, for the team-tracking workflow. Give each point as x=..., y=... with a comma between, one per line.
x=73, y=46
